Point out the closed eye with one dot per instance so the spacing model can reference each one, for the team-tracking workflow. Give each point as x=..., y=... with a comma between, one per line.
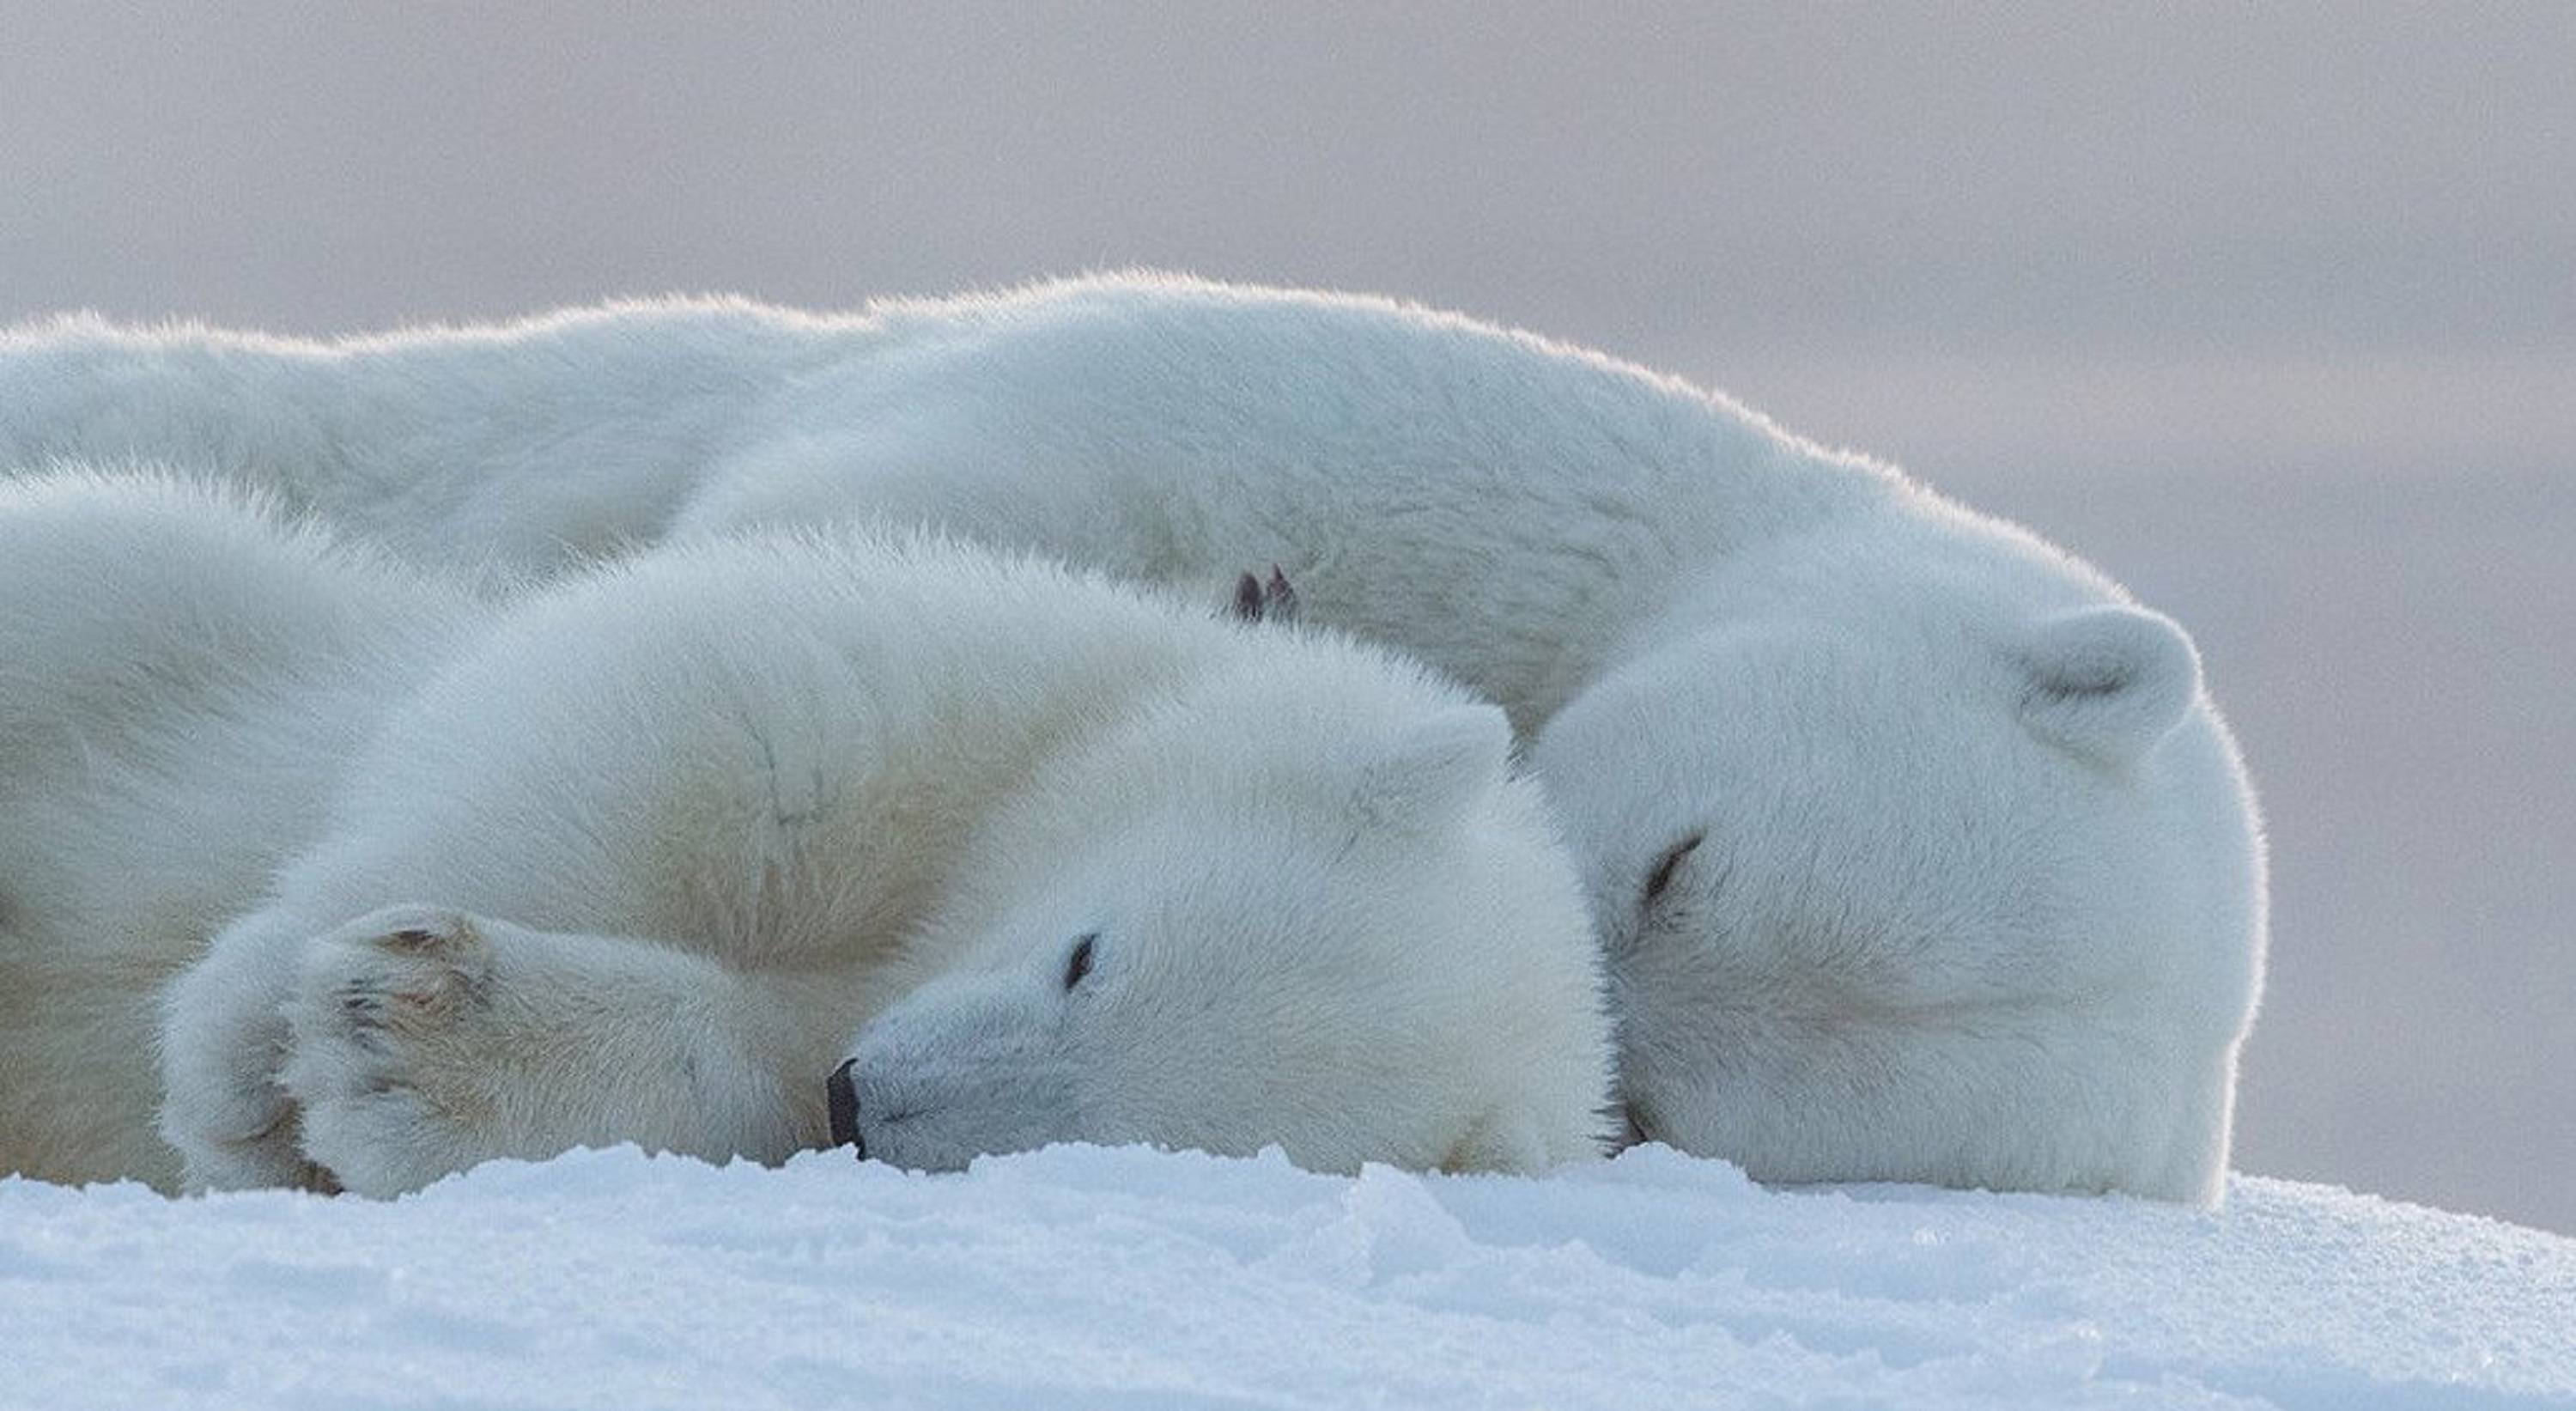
x=1661, y=876
x=1077, y=966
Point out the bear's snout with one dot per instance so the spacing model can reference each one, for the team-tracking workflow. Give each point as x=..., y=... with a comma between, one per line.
x=841, y=1098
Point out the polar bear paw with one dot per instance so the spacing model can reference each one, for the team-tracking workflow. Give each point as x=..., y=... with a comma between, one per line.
x=391, y=1052
x=224, y=1038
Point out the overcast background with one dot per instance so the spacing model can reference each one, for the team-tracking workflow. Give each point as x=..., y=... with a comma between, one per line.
x=2271, y=311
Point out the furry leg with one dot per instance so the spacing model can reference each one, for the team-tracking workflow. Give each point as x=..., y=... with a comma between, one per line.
x=425, y=1041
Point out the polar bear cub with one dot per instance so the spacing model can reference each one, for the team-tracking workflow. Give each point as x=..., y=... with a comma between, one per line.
x=1018, y=856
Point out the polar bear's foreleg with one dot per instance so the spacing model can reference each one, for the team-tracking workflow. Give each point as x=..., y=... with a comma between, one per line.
x=424, y=1041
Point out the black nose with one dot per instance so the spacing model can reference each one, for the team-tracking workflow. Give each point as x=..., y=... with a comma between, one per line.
x=842, y=1096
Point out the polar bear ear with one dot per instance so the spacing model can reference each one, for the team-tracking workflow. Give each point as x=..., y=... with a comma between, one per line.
x=2110, y=682
x=1433, y=770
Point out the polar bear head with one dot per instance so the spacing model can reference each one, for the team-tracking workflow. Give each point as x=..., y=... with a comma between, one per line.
x=1292, y=907
x=1949, y=873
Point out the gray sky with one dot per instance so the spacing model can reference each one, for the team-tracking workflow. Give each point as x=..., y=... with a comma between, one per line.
x=2270, y=309
x=1679, y=182
x=1887, y=224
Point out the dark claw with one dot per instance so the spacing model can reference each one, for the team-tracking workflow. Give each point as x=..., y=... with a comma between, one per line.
x=1257, y=601
x=841, y=1094
x=1632, y=1129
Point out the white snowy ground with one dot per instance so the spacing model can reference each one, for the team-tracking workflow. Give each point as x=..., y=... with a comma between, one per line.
x=1085, y=1277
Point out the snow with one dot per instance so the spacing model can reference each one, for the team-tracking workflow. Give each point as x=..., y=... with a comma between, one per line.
x=1091, y=1277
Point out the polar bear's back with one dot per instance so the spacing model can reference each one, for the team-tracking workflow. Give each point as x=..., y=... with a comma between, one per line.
x=807, y=729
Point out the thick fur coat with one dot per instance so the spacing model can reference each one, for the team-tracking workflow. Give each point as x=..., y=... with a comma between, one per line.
x=394, y=880
x=1918, y=849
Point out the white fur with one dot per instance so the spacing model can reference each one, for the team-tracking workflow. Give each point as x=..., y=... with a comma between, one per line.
x=641, y=858
x=1981, y=900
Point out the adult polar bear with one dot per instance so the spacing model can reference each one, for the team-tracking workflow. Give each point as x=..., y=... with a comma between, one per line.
x=1071, y=865
x=1918, y=850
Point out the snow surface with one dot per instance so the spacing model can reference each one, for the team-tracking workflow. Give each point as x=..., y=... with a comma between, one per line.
x=1090, y=1277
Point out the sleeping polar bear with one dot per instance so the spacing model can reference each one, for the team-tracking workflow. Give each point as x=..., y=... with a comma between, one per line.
x=1917, y=849
x=1024, y=857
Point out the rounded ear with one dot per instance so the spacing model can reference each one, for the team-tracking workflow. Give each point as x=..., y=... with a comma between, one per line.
x=2110, y=682
x=1432, y=770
